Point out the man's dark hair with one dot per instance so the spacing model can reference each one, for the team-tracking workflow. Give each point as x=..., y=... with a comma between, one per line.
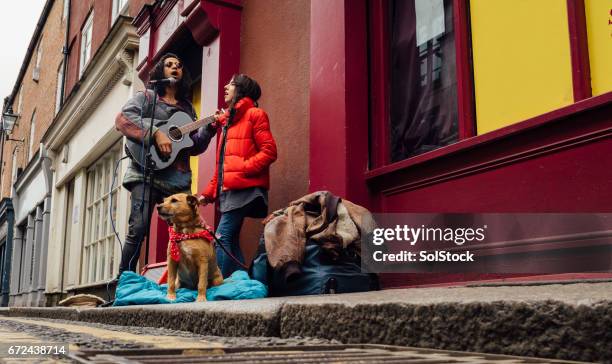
x=246, y=87
x=157, y=73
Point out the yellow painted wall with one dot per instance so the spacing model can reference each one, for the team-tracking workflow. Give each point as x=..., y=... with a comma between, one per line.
x=193, y=161
x=599, y=33
x=522, y=64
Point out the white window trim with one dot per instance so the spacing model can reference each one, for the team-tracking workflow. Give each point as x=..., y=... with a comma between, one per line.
x=32, y=133
x=14, y=168
x=85, y=51
x=39, y=53
x=20, y=104
x=58, y=87
x=98, y=237
x=119, y=8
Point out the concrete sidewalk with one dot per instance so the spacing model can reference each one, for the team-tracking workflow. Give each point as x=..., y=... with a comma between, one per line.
x=565, y=321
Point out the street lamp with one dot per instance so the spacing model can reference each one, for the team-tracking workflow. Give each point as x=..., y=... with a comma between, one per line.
x=8, y=120
x=6, y=128
x=8, y=123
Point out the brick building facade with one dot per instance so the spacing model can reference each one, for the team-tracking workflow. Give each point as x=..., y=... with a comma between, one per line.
x=34, y=93
x=36, y=98
x=61, y=91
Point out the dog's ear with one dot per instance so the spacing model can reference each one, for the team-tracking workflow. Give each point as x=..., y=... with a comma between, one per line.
x=192, y=200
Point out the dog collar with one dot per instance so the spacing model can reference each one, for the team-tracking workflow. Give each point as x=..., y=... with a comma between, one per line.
x=176, y=238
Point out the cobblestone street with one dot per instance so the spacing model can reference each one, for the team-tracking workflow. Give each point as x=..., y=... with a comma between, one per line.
x=88, y=342
x=86, y=335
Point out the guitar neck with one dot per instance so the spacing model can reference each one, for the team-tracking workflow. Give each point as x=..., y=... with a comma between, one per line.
x=197, y=124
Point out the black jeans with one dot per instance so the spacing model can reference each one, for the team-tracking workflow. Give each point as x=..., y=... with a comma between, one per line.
x=140, y=213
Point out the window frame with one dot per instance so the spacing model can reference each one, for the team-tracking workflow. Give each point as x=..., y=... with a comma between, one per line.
x=58, y=87
x=380, y=155
x=118, y=9
x=379, y=163
x=86, y=40
x=98, y=256
x=20, y=101
x=32, y=134
x=14, y=169
x=39, y=52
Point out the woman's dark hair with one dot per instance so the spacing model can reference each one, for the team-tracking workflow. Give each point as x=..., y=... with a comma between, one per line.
x=246, y=87
x=157, y=73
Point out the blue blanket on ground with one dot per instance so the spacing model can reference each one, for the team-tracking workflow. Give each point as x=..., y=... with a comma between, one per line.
x=134, y=289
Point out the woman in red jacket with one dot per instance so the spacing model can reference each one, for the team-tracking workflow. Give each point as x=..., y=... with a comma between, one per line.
x=242, y=176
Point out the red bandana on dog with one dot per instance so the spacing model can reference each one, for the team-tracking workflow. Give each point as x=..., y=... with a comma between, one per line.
x=176, y=238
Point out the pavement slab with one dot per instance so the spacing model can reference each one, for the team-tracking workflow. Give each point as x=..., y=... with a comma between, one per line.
x=563, y=321
x=568, y=321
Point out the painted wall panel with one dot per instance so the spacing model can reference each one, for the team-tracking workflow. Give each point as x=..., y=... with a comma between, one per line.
x=209, y=102
x=85, y=145
x=77, y=216
x=599, y=33
x=29, y=196
x=522, y=64
x=279, y=60
x=56, y=239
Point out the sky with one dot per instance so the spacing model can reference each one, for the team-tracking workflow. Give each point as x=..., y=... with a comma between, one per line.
x=17, y=22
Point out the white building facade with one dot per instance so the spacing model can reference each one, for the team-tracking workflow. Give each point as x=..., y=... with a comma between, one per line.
x=86, y=151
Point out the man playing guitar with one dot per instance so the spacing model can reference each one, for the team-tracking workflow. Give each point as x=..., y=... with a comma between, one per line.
x=134, y=122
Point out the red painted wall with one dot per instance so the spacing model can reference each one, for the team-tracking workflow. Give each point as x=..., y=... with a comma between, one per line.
x=284, y=78
x=558, y=162
x=339, y=99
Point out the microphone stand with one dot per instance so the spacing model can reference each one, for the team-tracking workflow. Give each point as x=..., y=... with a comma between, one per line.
x=149, y=177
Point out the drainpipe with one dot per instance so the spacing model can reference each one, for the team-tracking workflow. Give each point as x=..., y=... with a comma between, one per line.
x=64, y=74
x=65, y=52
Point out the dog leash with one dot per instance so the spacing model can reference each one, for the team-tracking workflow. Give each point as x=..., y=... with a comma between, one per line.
x=232, y=257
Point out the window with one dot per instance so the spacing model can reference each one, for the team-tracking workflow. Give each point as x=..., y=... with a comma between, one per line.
x=32, y=131
x=86, y=35
x=418, y=112
x=118, y=7
x=58, y=90
x=423, y=96
x=20, y=104
x=15, y=169
x=39, y=53
x=36, y=70
x=98, y=249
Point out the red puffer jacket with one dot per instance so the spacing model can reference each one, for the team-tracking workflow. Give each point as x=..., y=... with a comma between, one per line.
x=249, y=150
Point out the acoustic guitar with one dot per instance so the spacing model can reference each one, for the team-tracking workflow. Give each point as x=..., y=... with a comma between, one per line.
x=177, y=128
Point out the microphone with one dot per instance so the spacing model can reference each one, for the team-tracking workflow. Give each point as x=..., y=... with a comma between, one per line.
x=164, y=81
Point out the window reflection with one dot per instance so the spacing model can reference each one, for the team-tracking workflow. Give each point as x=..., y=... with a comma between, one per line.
x=423, y=86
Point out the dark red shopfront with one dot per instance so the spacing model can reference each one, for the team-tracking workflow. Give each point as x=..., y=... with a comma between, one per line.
x=554, y=162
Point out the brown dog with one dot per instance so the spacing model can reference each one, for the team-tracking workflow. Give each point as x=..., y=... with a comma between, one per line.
x=197, y=261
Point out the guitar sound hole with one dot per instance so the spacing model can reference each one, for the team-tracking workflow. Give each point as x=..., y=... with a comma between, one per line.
x=175, y=134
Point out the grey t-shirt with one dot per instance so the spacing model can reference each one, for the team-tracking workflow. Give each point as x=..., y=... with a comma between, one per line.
x=235, y=199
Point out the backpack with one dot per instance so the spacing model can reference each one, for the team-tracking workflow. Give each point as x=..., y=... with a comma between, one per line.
x=320, y=275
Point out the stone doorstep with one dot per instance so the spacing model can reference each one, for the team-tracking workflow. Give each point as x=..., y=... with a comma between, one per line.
x=569, y=321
